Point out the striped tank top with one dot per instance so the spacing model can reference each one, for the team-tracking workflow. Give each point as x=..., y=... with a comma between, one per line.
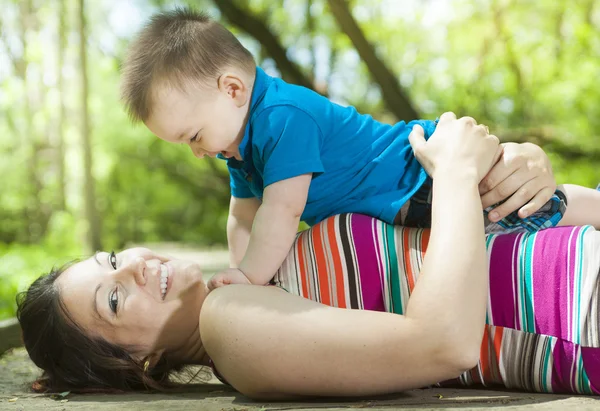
x=542, y=318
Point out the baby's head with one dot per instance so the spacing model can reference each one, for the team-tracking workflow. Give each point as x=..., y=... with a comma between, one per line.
x=190, y=81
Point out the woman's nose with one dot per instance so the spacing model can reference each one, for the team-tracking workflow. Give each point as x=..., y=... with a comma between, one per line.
x=137, y=268
x=198, y=152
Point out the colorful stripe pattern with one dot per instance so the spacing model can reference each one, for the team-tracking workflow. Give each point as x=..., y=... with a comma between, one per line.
x=543, y=312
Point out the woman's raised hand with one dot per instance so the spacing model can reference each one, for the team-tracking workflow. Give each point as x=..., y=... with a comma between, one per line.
x=456, y=144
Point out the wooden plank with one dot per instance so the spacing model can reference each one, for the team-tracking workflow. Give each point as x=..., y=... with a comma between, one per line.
x=10, y=334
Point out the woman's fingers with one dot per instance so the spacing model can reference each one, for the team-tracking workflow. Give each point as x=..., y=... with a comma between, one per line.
x=506, y=188
x=416, y=138
x=520, y=164
x=447, y=116
x=470, y=121
x=541, y=198
x=499, y=152
x=455, y=143
x=528, y=193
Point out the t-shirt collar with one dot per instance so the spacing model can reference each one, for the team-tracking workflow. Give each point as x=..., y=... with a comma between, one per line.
x=262, y=81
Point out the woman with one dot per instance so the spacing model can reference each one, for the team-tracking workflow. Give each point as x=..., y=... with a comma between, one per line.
x=107, y=322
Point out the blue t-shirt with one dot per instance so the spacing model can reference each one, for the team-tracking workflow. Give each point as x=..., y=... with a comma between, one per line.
x=359, y=164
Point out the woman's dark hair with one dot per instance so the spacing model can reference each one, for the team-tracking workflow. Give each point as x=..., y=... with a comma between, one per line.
x=70, y=359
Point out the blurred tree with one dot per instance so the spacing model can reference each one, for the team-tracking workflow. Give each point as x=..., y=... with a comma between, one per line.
x=59, y=143
x=254, y=24
x=73, y=165
x=395, y=99
x=36, y=214
x=91, y=212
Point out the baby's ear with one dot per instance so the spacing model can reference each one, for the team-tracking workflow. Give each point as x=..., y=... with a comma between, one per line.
x=235, y=87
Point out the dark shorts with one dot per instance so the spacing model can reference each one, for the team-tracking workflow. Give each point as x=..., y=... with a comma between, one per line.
x=417, y=213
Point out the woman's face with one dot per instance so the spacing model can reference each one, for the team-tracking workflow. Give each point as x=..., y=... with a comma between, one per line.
x=119, y=297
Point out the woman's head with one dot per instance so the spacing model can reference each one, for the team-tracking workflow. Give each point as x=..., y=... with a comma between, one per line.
x=95, y=323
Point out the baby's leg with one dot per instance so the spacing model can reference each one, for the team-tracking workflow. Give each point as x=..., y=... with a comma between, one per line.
x=417, y=211
x=583, y=206
x=548, y=216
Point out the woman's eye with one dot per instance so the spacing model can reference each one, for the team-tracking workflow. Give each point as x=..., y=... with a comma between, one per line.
x=112, y=259
x=113, y=300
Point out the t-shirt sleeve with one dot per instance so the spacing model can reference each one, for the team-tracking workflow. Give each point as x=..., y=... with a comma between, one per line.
x=240, y=188
x=288, y=145
x=428, y=126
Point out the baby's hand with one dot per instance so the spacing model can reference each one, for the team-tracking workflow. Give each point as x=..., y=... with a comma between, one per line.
x=226, y=277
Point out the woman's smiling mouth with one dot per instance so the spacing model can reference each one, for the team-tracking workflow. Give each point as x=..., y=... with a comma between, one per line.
x=164, y=280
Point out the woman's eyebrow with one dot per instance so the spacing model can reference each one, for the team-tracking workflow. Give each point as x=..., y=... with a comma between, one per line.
x=94, y=303
x=95, y=299
x=181, y=136
x=96, y=258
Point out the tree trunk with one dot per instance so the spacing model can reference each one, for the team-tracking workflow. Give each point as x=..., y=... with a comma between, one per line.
x=257, y=28
x=91, y=213
x=552, y=140
x=33, y=208
x=393, y=96
x=310, y=30
x=60, y=148
x=520, y=114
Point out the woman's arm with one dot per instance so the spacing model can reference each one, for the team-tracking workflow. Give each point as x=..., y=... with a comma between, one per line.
x=271, y=344
x=452, y=288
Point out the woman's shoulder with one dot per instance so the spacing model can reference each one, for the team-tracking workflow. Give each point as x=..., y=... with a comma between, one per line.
x=236, y=322
x=237, y=311
x=239, y=305
x=227, y=300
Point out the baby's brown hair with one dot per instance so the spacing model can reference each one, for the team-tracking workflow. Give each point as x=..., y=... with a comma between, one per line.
x=177, y=48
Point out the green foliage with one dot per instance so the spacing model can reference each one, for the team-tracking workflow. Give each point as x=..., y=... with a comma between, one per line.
x=519, y=67
x=20, y=264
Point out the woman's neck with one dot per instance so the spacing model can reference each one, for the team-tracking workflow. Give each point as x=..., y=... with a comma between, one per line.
x=192, y=352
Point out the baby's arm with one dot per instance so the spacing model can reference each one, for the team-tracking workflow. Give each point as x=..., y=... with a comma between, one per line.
x=275, y=227
x=583, y=206
x=239, y=225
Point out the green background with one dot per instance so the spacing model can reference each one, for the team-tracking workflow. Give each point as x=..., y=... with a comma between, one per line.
x=80, y=177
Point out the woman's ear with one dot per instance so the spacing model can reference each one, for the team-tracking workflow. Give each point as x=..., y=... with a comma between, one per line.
x=235, y=87
x=149, y=361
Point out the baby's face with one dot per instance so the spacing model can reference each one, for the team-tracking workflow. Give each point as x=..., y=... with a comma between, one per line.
x=210, y=121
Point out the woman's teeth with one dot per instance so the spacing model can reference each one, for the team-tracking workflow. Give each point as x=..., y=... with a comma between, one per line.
x=164, y=277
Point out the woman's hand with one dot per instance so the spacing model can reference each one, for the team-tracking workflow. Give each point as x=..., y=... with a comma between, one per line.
x=523, y=177
x=456, y=143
